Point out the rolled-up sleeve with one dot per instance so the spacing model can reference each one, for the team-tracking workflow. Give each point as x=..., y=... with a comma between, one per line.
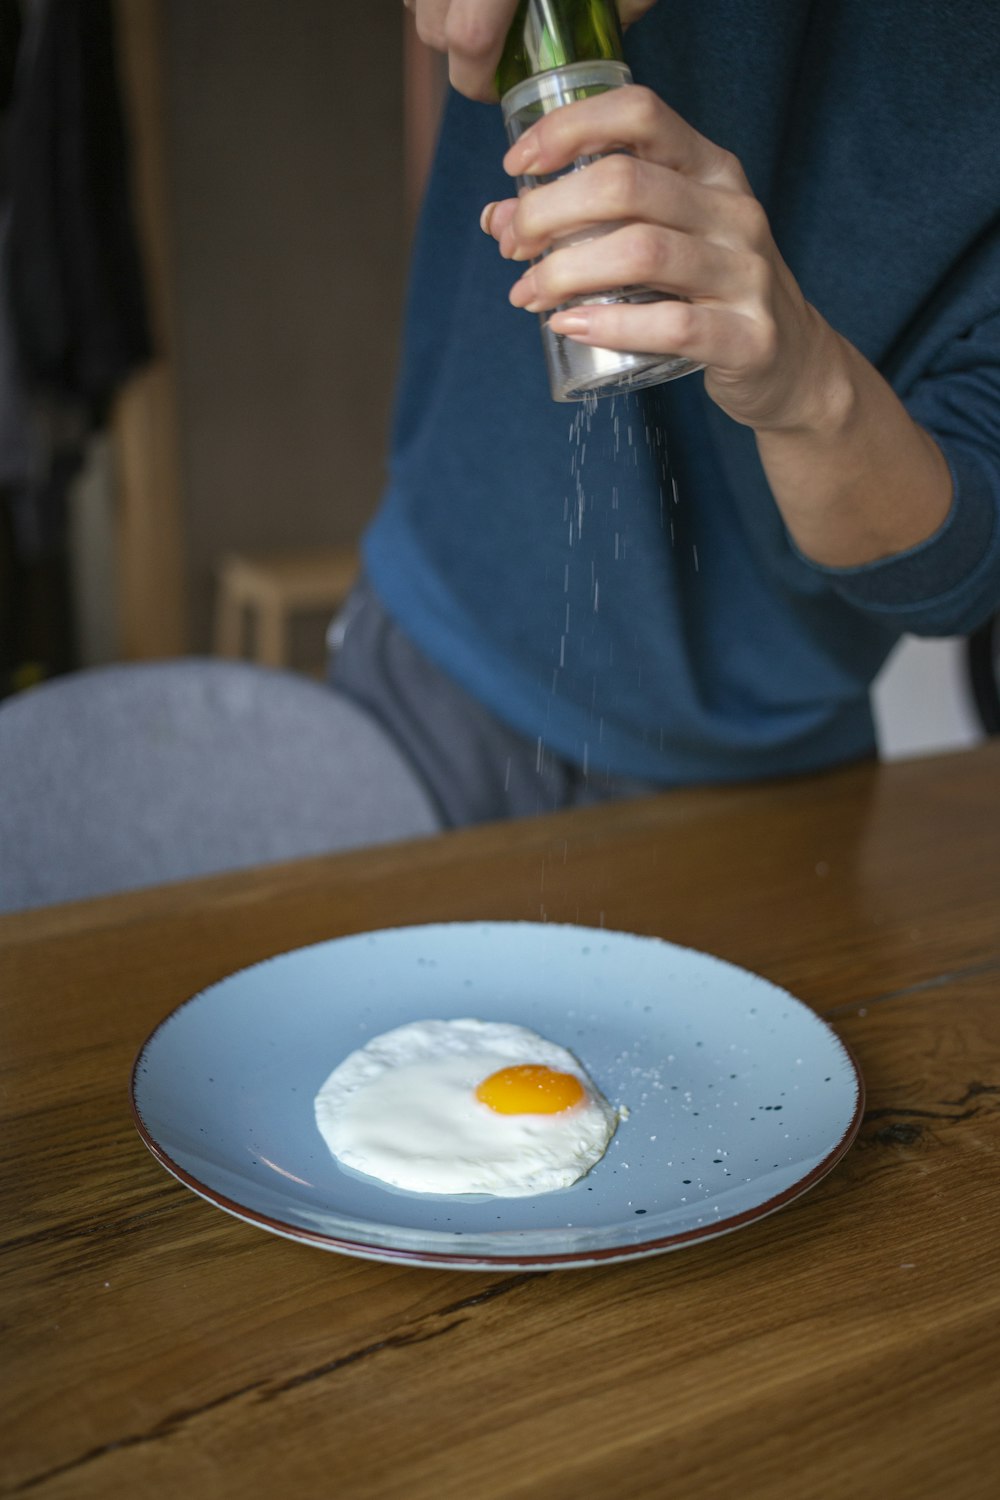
x=950, y=583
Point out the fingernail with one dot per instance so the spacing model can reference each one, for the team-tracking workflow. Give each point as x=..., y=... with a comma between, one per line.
x=485, y=217
x=524, y=292
x=570, y=322
x=521, y=158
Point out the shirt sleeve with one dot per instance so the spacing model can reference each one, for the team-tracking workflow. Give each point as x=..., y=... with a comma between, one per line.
x=950, y=583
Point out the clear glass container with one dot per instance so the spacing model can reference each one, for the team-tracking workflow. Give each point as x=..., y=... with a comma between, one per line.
x=554, y=31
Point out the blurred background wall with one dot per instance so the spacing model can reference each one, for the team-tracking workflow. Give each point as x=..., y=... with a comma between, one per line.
x=285, y=166
x=276, y=240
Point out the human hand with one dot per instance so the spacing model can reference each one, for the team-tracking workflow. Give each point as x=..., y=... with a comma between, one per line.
x=472, y=32
x=680, y=217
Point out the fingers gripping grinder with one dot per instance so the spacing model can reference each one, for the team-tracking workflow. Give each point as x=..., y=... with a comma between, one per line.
x=558, y=51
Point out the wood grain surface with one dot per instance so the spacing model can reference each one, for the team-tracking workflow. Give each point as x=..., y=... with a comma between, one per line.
x=846, y=1346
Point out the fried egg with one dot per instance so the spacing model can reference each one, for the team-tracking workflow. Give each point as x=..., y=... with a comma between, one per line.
x=465, y=1106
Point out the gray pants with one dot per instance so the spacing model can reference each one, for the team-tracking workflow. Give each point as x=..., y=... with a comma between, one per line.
x=475, y=769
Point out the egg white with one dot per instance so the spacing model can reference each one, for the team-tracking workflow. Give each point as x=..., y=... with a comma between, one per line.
x=403, y=1109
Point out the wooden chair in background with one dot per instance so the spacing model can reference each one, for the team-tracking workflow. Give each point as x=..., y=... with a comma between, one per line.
x=266, y=591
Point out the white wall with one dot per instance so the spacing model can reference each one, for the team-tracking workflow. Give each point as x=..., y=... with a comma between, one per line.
x=922, y=702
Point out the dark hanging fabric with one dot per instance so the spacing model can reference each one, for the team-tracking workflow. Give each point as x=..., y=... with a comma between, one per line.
x=10, y=39
x=74, y=274
x=73, y=323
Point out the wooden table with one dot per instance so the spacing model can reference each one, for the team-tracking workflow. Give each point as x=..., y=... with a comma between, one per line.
x=847, y=1346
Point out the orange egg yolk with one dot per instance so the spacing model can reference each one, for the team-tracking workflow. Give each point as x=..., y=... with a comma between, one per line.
x=530, y=1089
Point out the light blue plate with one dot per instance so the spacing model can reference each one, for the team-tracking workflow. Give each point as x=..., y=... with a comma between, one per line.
x=740, y=1098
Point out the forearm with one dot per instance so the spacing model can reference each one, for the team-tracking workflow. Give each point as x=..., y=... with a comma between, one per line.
x=855, y=478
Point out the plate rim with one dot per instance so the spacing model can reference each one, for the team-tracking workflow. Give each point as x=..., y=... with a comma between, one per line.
x=500, y=1260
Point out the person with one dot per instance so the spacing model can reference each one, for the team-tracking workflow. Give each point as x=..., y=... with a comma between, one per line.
x=695, y=583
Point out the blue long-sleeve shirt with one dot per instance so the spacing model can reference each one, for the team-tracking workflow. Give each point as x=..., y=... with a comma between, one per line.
x=620, y=584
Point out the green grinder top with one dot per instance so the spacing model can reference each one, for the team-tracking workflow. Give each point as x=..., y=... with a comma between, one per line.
x=549, y=34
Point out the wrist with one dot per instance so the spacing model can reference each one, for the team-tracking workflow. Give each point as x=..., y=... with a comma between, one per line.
x=824, y=402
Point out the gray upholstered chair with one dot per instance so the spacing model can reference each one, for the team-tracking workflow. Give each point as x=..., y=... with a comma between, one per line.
x=124, y=776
